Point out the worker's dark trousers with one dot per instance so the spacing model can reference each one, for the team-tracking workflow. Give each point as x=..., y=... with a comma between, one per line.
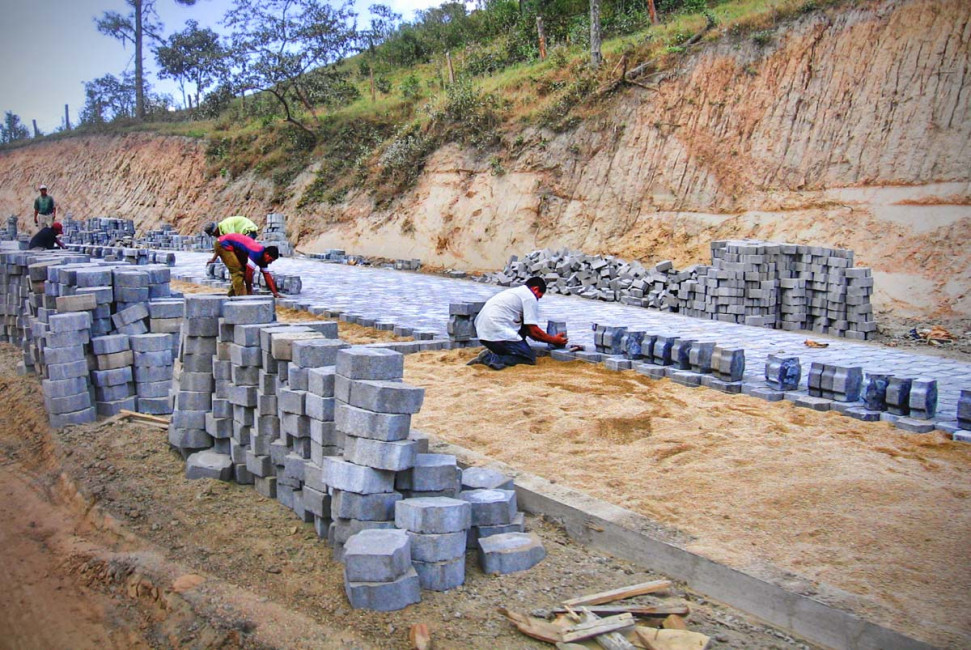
x=508, y=353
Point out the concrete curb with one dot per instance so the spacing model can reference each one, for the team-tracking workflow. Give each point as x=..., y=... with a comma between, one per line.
x=636, y=538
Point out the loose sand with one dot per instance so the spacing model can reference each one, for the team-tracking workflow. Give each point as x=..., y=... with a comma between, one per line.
x=862, y=507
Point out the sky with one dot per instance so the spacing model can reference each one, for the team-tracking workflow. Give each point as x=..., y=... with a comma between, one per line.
x=49, y=48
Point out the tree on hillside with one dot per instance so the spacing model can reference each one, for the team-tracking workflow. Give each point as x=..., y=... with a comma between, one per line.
x=277, y=42
x=12, y=130
x=141, y=22
x=192, y=55
x=108, y=98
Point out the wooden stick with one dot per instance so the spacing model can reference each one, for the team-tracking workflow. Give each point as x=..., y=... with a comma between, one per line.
x=534, y=627
x=143, y=416
x=598, y=626
x=645, y=612
x=619, y=594
x=420, y=637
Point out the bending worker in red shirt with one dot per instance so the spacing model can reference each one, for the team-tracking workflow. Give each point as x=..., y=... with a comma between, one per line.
x=242, y=256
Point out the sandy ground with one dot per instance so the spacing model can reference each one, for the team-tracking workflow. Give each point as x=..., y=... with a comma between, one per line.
x=107, y=545
x=879, y=514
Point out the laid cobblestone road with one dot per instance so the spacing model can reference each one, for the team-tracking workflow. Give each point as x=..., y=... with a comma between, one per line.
x=421, y=302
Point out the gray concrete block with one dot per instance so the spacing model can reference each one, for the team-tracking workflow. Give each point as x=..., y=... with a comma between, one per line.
x=491, y=507
x=364, y=507
x=209, y=464
x=64, y=355
x=152, y=359
x=377, y=426
x=133, y=314
x=114, y=360
x=438, y=548
x=137, y=327
x=153, y=405
x=483, y=478
x=110, y=344
x=384, y=596
x=385, y=396
x=242, y=396
x=149, y=374
x=151, y=343
x=518, y=525
x=189, y=401
x=342, y=530
x=431, y=472
x=248, y=311
x=110, y=377
x=166, y=309
x=898, y=395
x=510, y=552
x=203, y=305
x=923, y=399
x=295, y=425
x=75, y=303
x=114, y=407
x=291, y=401
x=189, y=420
x=316, y=502
x=71, y=322
x=441, y=576
x=297, y=377
x=294, y=467
x=113, y=393
x=394, y=456
x=377, y=555
x=203, y=327
x=63, y=387
x=68, y=403
x=247, y=335
x=342, y=475
x=261, y=466
x=199, y=345
x=85, y=416
x=219, y=428
x=814, y=403
x=245, y=356
x=320, y=408
x=783, y=373
x=281, y=343
x=370, y=363
x=316, y=353
x=70, y=370
x=265, y=486
x=864, y=414
x=433, y=515
x=915, y=425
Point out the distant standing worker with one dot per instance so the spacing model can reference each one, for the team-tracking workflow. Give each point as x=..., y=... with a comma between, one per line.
x=243, y=256
x=48, y=237
x=44, y=209
x=506, y=320
x=237, y=224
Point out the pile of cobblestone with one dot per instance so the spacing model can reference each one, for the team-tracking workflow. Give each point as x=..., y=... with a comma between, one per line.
x=765, y=284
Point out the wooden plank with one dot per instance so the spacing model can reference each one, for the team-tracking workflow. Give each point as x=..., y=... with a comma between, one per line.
x=659, y=611
x=597, y=626
x=420, y=637
x=653, y=639
x=143, y=416
x=619, y=594
x=674, y=623
x=534, y=627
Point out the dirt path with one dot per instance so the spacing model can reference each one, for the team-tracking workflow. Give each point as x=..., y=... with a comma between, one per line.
x=123, y=551
x=863, y=514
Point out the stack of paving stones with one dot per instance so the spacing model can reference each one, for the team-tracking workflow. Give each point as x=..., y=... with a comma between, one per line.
x=67, y=388
x=153, y=362
x=963, y=431
x=407, y=265
x=10, y=234
x=275, y=234
x=113, y=377
x=334, y=255
x=192, y=384
x=782, y=374
x=127, y=255
x=167, y=237
x=97, y=231
x=461, y=323
x=758, y=283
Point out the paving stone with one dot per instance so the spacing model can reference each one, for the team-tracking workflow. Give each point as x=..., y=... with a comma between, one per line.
x=316, y=353
x=923, y=399
x=209, y=464
x=898, y=395
x=441, y=576
x=152, y=359
x=384, y=596
x=189, y=420
x=64, y=355
x=114, y=407
x=342, y=530
x=153, y=405
x=433, y=515
x=342, y=475
x=150, y=343
x=281, y=343
x=71, y=322
x=63, y=387
x=431, y=472
x=203, y=306
x=364, y=507
x=862, y=413
x=384, y=396
x=395, y=456
x=686, y=378
x=201, y=327
x=438, y=548
x=783, y=373
x=483, y=478
x=518, y=525
x=84, y=416
x=113, y=393
x=814, y=403
x=133, y=314
x=377, y=555
x=110, y=344
x=914, y=425
x=76, y=303
x=248, y=311
x=377, y=426
x=370, y=363
x=68, y=403
x=144, y=374
x=265, y=486
x=491, y=507
x=320, y=381
x=70, y=370
x=510, y=552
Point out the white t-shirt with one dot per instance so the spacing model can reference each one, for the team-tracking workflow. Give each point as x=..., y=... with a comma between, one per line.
x=505, y=312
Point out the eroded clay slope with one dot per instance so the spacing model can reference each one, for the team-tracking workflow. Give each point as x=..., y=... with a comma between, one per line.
x=851, y=128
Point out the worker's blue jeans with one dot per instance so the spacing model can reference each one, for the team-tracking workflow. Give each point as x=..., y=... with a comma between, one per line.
x=508, y=353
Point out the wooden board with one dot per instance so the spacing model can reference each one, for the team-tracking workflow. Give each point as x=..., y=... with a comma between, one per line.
x=619, y=594
x=647, y=611
x=652, y=639
x=534, y=627
x=596, y=626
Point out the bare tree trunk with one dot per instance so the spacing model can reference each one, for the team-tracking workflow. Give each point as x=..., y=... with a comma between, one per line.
x=139, y=78
x=371, y=75
x=596, y=57
x=542, y=38
x=451, y=70
x=67, y=119
x=36, y=130
x=652, y=11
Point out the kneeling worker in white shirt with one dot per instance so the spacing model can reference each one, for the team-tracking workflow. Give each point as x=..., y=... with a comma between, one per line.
x=506, y=320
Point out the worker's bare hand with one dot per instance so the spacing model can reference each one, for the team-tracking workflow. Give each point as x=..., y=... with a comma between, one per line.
x=560, y=340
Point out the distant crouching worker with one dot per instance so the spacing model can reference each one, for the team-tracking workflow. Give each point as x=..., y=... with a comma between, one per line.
x=506, y=320
x=239, y=225
x=48, y=237
x=242, y=256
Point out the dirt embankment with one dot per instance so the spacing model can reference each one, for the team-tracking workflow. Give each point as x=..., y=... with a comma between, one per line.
x=849, y=128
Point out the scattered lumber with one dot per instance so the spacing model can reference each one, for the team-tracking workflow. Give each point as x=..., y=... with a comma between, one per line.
x=652, y=639
x=534, y=627
x=593, y=626
x=674, y=622
x=613, y=640
x=619, y=594
x=646, y=611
